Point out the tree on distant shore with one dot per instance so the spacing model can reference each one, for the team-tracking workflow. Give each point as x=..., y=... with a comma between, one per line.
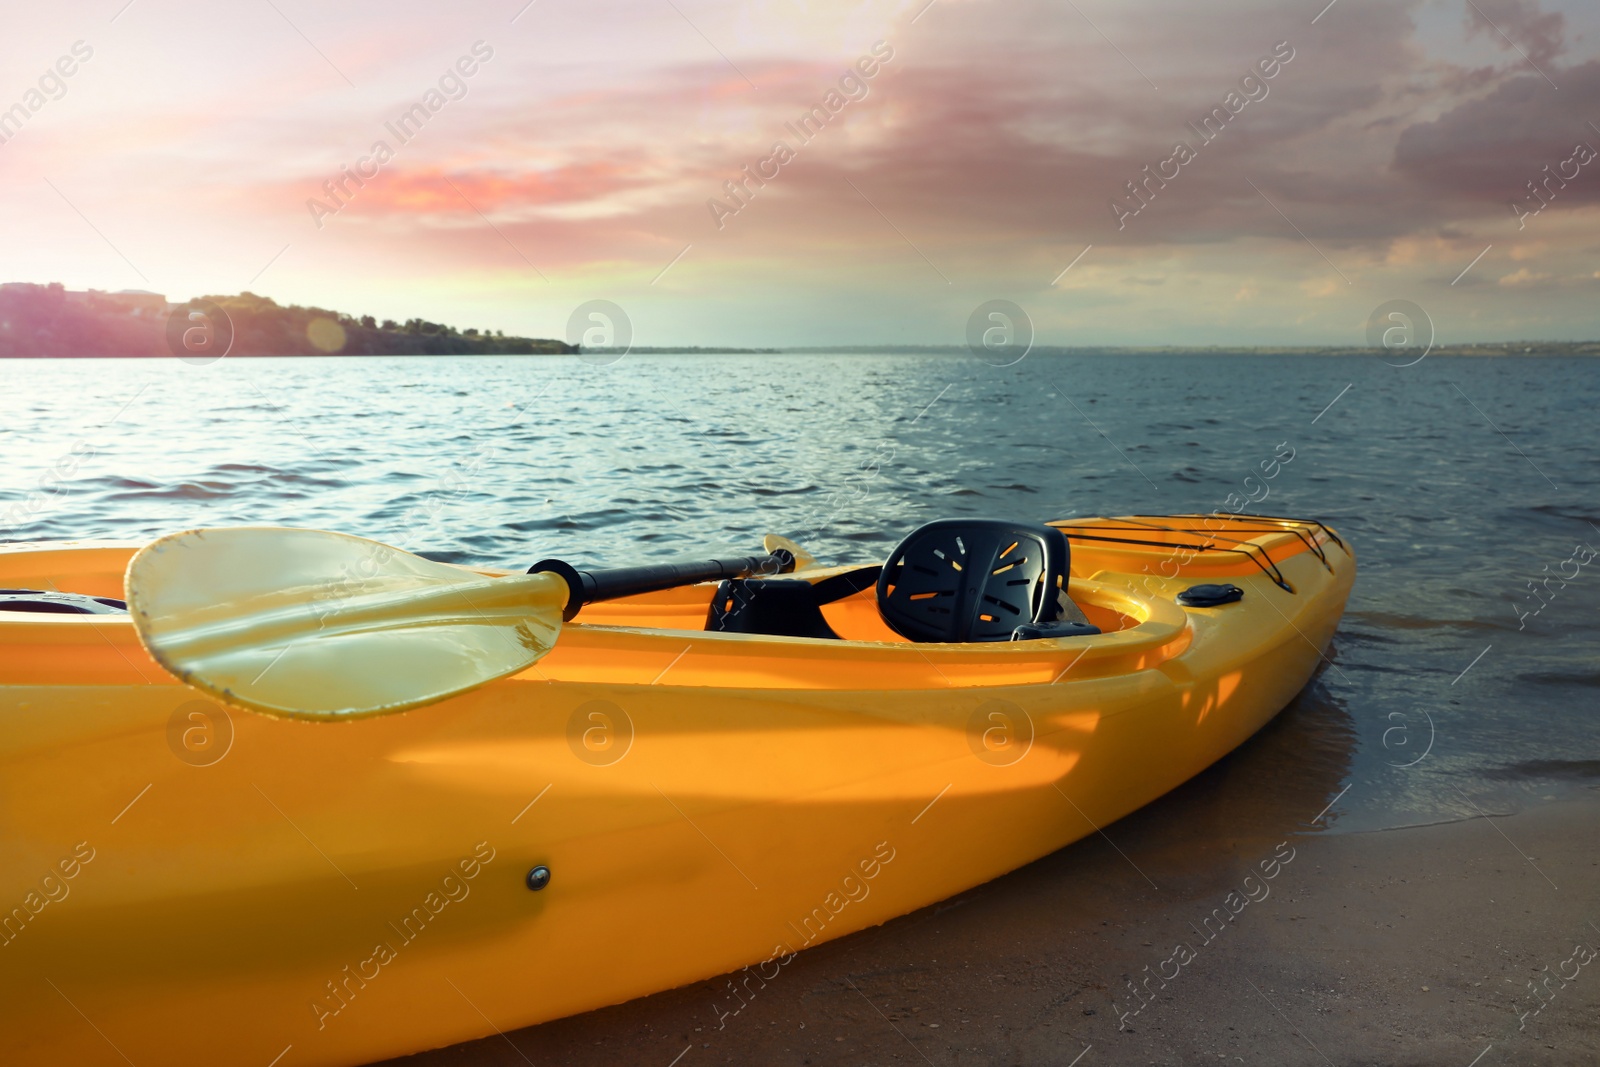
x=48, y=320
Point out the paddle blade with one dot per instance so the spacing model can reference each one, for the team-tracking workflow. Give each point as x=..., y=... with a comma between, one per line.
x=315, y=625
x=802, y=558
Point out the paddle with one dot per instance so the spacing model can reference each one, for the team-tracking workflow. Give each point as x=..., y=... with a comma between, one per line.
x=313, y=625
x=802, y=559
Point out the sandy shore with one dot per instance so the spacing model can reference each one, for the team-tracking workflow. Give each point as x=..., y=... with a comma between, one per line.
x=1413, y=946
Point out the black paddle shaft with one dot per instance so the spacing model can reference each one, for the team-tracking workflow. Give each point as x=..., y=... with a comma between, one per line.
x=589, y=586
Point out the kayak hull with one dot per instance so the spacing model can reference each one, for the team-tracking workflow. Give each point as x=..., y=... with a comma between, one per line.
x=187, y=883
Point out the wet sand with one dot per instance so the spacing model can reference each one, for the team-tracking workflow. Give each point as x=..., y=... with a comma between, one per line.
x=1411, y=946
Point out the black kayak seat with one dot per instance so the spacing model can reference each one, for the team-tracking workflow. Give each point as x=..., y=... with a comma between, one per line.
x=783, y=607
x=952, y=580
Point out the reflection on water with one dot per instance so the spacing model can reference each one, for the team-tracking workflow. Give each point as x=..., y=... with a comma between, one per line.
x=1451, y=689
x=1278, y=782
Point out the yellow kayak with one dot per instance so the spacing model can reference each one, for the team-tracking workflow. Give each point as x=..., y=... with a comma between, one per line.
x=650, y=804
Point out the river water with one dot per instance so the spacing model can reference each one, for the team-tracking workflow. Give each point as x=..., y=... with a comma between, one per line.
x=1455, y=684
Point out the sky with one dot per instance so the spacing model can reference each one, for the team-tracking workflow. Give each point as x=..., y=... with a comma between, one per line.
x=959, y=151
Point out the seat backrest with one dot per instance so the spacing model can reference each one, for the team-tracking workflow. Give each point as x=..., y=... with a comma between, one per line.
x=973, y=580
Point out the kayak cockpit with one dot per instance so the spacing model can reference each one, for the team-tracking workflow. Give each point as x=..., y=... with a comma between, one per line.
x=1125, y=577
x=852, y=618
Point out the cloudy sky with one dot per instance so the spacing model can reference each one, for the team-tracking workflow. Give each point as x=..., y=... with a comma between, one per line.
x=585, y=156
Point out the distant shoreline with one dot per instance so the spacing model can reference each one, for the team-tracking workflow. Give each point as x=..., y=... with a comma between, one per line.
x=52, y=322
x=1509, y=349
